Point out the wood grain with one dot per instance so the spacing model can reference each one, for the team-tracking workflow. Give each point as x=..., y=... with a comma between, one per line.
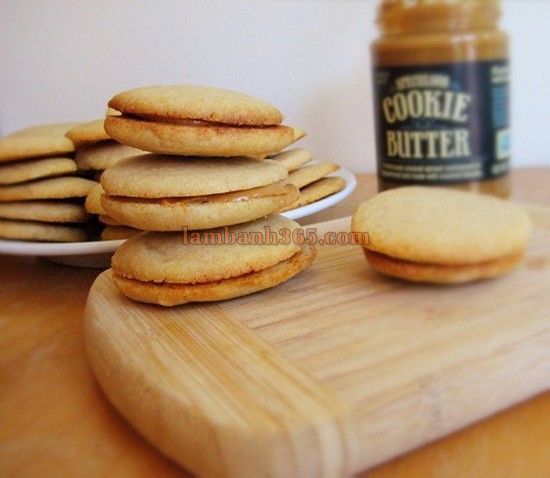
x=55, y=421
x=328, y=374
x=165, y=375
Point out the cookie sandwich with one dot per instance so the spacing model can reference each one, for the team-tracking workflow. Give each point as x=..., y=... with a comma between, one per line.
x=443, y=236
x=166, y=193
x=194, y=120
x=161, y=268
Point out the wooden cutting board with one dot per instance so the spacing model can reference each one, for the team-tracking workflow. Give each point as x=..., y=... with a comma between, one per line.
x=330, y=373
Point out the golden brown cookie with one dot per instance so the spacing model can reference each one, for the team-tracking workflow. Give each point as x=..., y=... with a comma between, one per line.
x=440, y=235
x=201, y=103
x=16, y=148
x=197, y=121
x=44, y=211
x=309, y=174
x=88, y=133
x=93, y=200
x=318, y=190
x=38, y=231
x=50, y=129
x=293, y=158
x=21, y=171
x=103, y=155
x=51, y=188
x=166, y=193
x=298, y=133
x=170, y=269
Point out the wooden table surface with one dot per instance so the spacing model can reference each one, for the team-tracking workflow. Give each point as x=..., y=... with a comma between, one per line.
x=55, y=421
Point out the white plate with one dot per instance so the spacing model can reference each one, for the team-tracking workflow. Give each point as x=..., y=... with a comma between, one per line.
x=327, y=202
x=98, y=253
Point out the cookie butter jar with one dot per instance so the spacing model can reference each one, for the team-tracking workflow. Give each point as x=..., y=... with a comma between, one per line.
x=441, y=92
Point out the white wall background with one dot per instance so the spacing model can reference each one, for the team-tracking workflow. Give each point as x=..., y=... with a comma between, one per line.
x=61, y=60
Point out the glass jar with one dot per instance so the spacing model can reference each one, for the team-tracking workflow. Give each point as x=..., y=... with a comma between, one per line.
x=441, y=91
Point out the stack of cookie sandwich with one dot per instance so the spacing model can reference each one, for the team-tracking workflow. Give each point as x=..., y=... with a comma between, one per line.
x=203, y=179
x=41, y=195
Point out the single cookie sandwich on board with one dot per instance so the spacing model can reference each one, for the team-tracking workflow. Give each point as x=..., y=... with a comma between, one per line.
x=164, y=269
x=166, y=193
x=191, y=120
x=438, y=235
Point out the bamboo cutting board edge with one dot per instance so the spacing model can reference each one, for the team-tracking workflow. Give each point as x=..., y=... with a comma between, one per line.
x=317, y=435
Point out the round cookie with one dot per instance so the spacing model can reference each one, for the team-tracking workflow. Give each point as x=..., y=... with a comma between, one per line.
x=16, y=148
x=21, y=171
x=173, y=214
x=197, y=121
x=162, y=268
x=194, y=102
x=197, y=139
x=50, y=129
x=293, y=158
x=439, y=235
x=93, y=200
x=52, y=188
x=309, y=174
x=88, y=133
x=37, y=231
x=163, y=193
x=44, y=211
x=159, y=176
x=103, y=155
x=318, y=190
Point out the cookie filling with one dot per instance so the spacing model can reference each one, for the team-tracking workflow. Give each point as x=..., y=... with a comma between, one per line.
x=510, y=258
x=280, y=188
x=188, y=121
x=304, y=256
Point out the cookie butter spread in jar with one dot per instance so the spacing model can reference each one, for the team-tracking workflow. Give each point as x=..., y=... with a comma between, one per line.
x=441, y=89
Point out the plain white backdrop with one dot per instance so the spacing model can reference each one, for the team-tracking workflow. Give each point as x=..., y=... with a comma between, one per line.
x=62, y=60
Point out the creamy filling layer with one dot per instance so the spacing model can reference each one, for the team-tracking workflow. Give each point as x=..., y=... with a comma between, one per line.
x=190, y=121
x=281, y=188
x=504, y=259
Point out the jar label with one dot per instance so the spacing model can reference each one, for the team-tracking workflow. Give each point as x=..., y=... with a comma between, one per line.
x=442, y=124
